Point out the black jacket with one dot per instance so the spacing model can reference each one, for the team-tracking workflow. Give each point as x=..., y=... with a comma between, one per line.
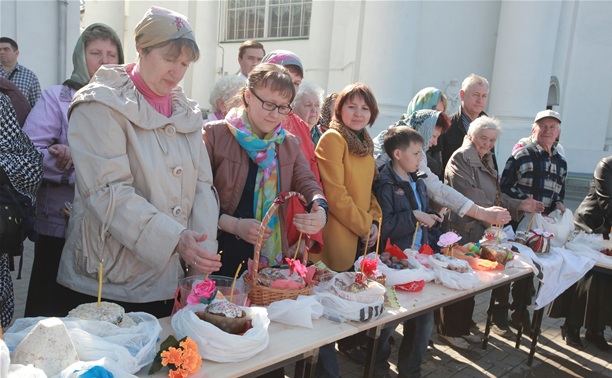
x=452, y=139
x=397, y=201
x=594, y=215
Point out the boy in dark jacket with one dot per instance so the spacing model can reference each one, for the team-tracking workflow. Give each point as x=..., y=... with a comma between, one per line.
x=403, y=199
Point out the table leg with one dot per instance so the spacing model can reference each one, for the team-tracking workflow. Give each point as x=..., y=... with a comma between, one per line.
x=485, y=339
x=537, y=322
x=373, y=335
x=309, y=365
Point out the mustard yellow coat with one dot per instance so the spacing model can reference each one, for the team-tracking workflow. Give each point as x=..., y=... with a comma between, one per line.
x=347, y=183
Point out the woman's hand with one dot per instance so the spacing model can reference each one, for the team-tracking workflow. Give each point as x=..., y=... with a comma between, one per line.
x=425, y=219
x=560, y=206
x=193, y=254
x=310, y=223
x=493, y=215
x=62, y=153
x=530, y=205
x=373, y=236
x=247, y=230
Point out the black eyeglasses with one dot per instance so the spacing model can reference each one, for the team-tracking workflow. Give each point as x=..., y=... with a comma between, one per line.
x=270, y=106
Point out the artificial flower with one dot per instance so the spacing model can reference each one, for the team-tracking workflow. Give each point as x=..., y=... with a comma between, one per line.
x=181, y=357
x=202, y=292
x=448, y=239
x=368, y=266
x=297, y=267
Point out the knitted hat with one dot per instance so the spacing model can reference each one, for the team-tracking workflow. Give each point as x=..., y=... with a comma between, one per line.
x=284, y=58
x=161, y=25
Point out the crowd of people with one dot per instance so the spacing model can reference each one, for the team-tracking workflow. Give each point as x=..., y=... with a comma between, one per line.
x=131, y=181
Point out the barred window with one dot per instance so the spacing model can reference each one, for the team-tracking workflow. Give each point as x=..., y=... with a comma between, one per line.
x=262, y=19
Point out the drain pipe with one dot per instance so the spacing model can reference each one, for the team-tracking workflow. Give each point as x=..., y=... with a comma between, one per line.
x=219, y=26
x=61, y=39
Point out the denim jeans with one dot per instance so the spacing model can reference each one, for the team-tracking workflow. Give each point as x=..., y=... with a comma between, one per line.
x=414, y=345
x=327, y=364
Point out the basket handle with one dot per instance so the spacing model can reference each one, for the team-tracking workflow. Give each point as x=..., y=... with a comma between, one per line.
x=282, y=197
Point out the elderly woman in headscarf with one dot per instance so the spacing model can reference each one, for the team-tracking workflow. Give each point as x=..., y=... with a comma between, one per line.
x=47, y=126
x=145, y=207
x=20, y=176
x=427, y=98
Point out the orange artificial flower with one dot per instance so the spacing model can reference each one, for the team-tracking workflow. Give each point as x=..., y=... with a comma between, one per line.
x=191, y=360
x=172, y=356
x=178, y=373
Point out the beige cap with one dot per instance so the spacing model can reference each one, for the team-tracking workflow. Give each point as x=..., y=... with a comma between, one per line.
x=160, y=25
x=546, y=114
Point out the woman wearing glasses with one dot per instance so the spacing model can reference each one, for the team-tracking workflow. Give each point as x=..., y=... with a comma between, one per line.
x=253, y=160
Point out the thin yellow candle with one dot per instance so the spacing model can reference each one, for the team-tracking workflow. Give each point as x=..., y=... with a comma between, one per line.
x=234, y=283
x=365, y=250
x=378, y=240
x=497, y=236
x=100, y=283
x=416, y=231
x=530, y=221
x=220, y=252
x=298, y=246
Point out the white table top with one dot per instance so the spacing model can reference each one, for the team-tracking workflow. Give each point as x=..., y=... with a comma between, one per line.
x=287, y=342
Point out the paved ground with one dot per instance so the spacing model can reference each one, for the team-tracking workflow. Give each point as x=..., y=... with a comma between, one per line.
x=553, y=358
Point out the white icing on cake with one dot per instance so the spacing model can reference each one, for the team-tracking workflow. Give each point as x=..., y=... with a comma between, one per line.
x=224, y=308
x=48, y=347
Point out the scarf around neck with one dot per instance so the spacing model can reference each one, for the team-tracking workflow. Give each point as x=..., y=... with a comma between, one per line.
x=263, y=154
x=163, y=104
x=356, y=146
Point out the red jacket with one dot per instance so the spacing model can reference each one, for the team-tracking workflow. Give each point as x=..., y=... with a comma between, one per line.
x=294, y=124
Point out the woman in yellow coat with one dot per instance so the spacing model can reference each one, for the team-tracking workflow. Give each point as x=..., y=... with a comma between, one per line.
x=347, y=168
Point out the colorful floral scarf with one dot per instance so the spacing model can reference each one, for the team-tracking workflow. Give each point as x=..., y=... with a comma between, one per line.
x=263, y=153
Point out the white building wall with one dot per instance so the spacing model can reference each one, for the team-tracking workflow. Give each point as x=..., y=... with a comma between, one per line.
x=396, y=47
x=35, y=25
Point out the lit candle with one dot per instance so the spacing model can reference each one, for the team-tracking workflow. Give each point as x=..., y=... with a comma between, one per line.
x=298, y=246
x=100, y=283
x=378, y=240
x=416, y=231
x=365, y=250
x=234, y=283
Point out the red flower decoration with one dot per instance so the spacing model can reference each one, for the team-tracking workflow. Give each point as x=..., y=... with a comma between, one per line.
x=368, y=266
x=296, y=266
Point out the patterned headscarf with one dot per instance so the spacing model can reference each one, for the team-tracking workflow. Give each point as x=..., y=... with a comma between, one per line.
x=263, y=153
x=284, y=58
x=19, y=159
x=423, y=121
x=426, y=98
x=160, y=25
x=80, y=74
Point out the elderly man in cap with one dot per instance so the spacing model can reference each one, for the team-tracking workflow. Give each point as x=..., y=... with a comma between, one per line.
x=538, y=169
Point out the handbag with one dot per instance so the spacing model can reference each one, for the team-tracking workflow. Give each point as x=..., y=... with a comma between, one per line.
x=13, y=218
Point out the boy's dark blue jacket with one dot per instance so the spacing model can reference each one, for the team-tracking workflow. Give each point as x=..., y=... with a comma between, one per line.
x=397, y=201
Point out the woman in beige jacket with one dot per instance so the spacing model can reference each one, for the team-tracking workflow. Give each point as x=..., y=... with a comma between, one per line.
x=145, y=206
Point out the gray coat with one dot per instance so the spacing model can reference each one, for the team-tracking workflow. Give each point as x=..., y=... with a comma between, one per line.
x=466, y=173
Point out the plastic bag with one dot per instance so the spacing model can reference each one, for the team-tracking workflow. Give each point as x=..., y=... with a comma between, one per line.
x=217, y=345
x=401, y=276
x=454, y=279
x=298, y=312
x=130, y=348
x=561, y=225
x=341, y=310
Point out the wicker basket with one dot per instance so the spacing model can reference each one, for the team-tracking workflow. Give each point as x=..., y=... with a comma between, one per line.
x=262, y=295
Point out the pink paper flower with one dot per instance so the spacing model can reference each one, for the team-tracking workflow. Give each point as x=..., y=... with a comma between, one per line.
x=202, y=292
x=448, y=239
x=368, y=266
x=297, y=267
